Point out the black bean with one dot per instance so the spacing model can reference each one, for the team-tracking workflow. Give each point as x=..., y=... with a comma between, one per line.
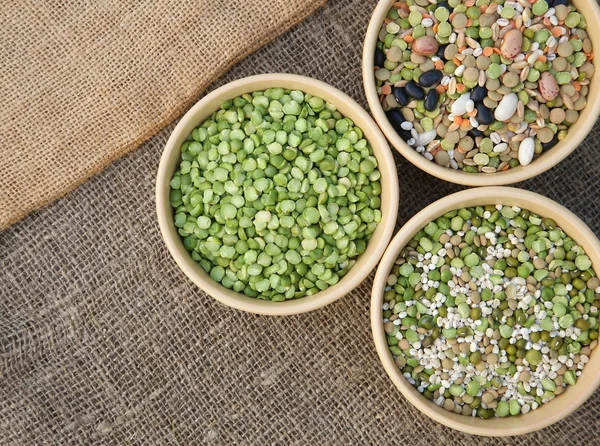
x=550, y=144
x=478, y=94
x=414, y=91
x=401, y=96
x=430, y=78
x=396, y=119
x=474, y=133
x=484, y=114
x=379, y=58
x=440, y=51
x=404, y=134
x=444, y=5
x=555, y=3
x=431, y=100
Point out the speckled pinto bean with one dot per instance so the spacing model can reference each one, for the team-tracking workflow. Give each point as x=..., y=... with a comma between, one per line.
x=497, y=83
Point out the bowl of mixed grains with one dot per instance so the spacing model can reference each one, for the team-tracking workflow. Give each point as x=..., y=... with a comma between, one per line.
x=277, y=194
x=481, y=92
x=485, y=308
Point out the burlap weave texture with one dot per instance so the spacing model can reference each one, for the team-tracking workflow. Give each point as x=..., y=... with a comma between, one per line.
x=83, y=83
x=104, y=341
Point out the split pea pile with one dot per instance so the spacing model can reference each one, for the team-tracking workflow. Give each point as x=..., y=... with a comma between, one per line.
x=276, y=194
x=483, y=86
x=491, y=311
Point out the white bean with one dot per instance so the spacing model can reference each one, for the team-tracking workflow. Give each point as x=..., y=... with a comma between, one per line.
x=458, y=107
x=526, y=151
x=499, y=148
x=507, y=107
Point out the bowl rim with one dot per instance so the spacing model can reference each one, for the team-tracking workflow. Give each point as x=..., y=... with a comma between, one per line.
x=552, y=413
x=380, y=238
x=552, y=157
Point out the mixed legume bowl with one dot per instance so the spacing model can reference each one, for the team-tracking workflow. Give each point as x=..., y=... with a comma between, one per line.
x=486, y=304
x=278, y=194
x=497, y=90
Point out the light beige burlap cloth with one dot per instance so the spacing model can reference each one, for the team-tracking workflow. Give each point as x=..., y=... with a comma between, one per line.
x=83, y=83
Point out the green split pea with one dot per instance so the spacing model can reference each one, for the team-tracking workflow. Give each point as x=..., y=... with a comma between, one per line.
x=276, y=194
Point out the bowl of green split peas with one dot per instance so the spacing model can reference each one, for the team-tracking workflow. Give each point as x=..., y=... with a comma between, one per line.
x=277, y=194
x=485, y=311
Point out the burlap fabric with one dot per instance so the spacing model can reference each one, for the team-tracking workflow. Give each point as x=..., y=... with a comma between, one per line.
x=105, y=341
x=83, y=83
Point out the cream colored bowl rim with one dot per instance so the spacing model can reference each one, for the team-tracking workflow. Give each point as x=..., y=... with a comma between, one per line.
x=547, y=414
x=349, y=108
x=552, y=157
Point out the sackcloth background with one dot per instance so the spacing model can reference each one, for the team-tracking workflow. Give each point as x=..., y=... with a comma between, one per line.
x=82, y=83
x=104, y=341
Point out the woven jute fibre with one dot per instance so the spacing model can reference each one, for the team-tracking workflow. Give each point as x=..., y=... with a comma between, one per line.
x=104, y=341
x=83, y=83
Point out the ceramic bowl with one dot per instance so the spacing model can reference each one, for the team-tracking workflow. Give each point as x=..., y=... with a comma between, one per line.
x=364, y=263
x=577, y=132
x=551, y=412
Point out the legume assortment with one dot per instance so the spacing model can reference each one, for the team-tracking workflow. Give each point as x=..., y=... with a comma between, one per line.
x=483, y=86
x=491, y=311
x=276, y=194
